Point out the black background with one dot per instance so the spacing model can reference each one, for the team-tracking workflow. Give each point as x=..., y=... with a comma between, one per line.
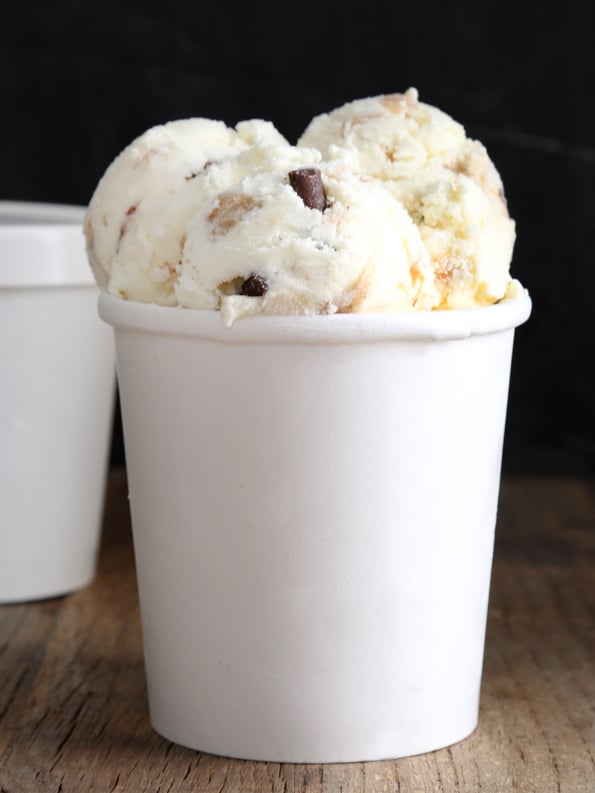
x=80, y=80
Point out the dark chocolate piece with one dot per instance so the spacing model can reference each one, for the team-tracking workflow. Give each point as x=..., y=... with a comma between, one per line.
x=307, y=183
x=254, y=286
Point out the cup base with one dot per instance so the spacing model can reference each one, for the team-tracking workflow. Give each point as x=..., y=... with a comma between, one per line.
x=369, y=751
x=26, y=591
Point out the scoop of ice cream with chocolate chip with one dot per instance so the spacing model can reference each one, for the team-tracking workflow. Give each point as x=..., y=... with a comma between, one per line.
x=284, y=233
x=446, y=182
x=142, y=204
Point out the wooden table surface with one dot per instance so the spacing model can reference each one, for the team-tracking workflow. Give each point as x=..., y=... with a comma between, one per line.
x=73, y=711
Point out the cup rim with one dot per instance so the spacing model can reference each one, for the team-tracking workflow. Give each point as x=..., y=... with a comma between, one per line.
x=27, y=213
x=420, y=326
x=42, y=245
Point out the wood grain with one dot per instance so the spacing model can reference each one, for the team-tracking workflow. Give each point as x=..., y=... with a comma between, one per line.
x=73, y=712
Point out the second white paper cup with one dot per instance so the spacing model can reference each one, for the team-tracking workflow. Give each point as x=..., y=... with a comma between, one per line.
x=313, y=505
x=56, y=404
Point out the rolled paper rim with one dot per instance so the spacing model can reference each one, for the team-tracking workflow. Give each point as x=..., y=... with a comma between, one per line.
x=423, y=326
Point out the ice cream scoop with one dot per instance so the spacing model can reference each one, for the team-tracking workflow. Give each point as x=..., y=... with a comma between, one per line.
x=446, y=181
x=283, y=233
x=148, y=194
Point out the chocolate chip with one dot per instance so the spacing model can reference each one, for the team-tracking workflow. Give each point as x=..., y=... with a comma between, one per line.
x=307, y=183
x=194, y=174
x=124, y=225
x=254, y=286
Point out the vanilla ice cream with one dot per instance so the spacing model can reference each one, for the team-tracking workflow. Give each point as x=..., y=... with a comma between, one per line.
x=446, y=182
x=384, y=205
x=146, y=197
x=258, y=245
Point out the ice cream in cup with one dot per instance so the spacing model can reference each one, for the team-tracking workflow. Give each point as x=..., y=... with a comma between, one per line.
x=313, y=361
x=56, y=403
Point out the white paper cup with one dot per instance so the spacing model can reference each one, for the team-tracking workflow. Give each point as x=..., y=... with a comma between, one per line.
x=313, y=505
x=56, y=404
